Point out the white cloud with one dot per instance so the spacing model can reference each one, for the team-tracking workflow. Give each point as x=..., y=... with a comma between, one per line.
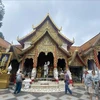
x=79, y=19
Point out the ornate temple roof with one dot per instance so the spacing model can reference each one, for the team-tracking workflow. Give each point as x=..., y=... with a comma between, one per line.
x=4, y=44
x=22, y=40
x=47, y=18
x=75, y=59
x=33, y=44
x=89, y=44
x=73, y=48
x=16, y=52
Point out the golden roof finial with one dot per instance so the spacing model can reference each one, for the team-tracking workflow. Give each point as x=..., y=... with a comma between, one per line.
x=73, y=40
x=60, y=28
x=48, y=14
x=33, y=26
x=17, y=38
x=12, y=42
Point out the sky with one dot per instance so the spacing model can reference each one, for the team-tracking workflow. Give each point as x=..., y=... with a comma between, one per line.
x=79, y=19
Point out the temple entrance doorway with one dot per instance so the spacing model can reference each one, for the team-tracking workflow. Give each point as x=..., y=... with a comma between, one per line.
x=77, y=72
x=91, y=64
x=28, y=66
x=61, y=65
x=99, y=57
x=42, y=60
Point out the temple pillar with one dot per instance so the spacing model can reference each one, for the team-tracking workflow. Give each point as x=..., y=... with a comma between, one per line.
x=96, y=58
x=55, y=58
x=35, y=58
x=33, y=75
x=67, y=65
x=21, y=65
x=55, y=71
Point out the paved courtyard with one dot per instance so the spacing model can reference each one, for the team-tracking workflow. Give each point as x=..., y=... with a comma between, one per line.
x=78, y=94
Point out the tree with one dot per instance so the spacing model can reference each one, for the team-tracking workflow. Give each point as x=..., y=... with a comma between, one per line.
x=1, y=17
x=1, y=35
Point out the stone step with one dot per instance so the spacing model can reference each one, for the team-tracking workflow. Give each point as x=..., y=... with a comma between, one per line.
x=46, y=86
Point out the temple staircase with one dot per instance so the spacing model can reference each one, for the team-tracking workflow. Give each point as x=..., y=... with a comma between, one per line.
x=46, y=85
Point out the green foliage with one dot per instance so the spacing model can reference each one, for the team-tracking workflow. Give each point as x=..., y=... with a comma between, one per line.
x=1, y=35
x=1, y=17
x=1, y=12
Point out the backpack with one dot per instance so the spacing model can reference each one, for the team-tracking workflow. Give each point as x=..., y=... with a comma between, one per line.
x=19, y=78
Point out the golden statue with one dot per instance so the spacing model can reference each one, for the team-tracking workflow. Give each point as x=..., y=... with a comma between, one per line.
x=4, y=61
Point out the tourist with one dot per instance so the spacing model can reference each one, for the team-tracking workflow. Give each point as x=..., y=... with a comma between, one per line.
x=66, y=80
x=95, y=78
x=89, y=84
x=19, y=78
x=84, y=80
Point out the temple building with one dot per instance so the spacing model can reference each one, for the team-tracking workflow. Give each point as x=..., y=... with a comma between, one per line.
x=46, y=45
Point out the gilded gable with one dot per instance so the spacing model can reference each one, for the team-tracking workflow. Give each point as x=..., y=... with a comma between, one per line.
x=76, y=62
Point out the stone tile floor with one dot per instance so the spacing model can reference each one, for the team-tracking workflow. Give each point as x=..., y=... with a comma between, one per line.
x=78, y=94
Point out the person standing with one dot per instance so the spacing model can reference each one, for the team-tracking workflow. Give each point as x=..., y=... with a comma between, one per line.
x=66, y=79
x=95, y=78
x=84, y=80
x=19, y=78
x=89, y=84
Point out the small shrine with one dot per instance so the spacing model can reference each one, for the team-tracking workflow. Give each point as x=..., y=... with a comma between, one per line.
x=4, y=69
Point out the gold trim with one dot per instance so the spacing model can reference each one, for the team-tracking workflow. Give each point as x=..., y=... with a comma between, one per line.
x=26, y=36
x=44, y=20
x=4, y=61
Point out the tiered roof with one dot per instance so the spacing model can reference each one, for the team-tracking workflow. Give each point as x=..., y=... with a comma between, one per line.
x=76, y=57
x=22, y=40
x=89, y=44
x=4, y=43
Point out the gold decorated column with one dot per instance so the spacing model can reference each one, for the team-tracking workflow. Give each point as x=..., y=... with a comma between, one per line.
x=55, y=57
x=96, y=58
x=67, y=65
x=35, y=58
x=22, y=63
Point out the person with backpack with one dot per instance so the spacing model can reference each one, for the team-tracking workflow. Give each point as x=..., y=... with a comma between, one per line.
x=66, y=80
x=19, y=78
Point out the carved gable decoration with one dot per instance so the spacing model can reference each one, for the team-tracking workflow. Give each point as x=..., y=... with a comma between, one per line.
x=76, y=62
x=46, y=44
x=27, y=44
x=90, y=55
x=98, y=45
x=60, y=54
x=64, y=46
